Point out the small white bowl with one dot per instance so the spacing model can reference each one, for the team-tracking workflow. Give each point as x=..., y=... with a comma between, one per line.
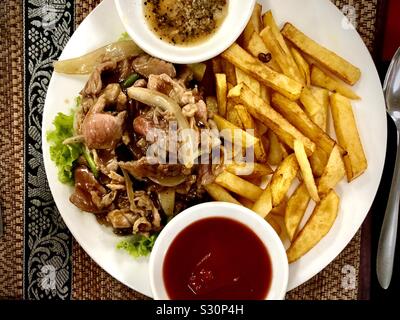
x=132, y=16
x=280, y=267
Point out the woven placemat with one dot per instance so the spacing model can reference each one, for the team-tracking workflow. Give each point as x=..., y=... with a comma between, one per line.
x=11, y=149
x=89, y=281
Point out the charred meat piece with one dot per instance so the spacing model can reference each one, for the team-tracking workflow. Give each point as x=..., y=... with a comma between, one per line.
x=146, y=65
x=102, y=130
x=144, y=168
x=174, y=89
x=142, y=125
x=140, y=83
x=85, y=183
x=124, y=69
x=95, y=84
x=122, y=219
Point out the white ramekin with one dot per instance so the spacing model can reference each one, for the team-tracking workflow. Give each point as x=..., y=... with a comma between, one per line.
x=280, y=267
x=132, y=16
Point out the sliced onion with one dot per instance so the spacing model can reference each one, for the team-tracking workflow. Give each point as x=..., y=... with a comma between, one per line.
x=167, y=201
x=85, y=64
x=169, y=181
x=158, y=100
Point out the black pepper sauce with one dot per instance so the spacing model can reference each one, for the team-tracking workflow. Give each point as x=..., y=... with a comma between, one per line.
x=217, y=258
x=184, y=22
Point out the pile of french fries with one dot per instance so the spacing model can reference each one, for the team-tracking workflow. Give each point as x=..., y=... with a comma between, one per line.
x=283, y=85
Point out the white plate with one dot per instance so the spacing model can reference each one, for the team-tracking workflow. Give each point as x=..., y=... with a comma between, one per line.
x=322, y=21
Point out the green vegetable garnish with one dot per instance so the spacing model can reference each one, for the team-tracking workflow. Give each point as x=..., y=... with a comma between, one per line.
x=138, y=245
x=124, y=36
x=90, y=161
x=130, y=80
x=63, y=155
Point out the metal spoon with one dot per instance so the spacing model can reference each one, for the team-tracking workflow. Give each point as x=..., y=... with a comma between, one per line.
x=387, y=239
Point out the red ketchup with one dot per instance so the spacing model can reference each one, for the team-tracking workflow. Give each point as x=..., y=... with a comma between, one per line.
x=217, y=258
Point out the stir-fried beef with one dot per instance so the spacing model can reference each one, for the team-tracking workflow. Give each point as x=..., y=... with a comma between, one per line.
x=118, y=131
x=145, y=168
x=86, y=186
x=95, y=84
x=100, y=129
x=146, y=65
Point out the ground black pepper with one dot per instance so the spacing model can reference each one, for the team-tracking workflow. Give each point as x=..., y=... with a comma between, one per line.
x=183, y=22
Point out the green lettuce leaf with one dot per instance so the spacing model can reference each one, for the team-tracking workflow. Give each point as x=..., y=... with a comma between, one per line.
x=64, y=156
x=138, y=245
x=124, y=36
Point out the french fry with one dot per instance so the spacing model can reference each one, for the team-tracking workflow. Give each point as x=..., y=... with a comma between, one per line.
x=265, y=142
x=303, y=66
x=260, y=110
x=297, y=117
x=285, y=63
x=319, y=224
x=253, y=179
x=322, y=96
x=220, y=194
x=321, y=79
x=249, y=169
x=230, y=104
x=263, y=205
x=280, y=210
x=239, y=186
x=212, y=104
x=346, y=130
x=269, y=21
x=306, y=171
x=295, y=210
x=252, y=83
x=275, y=154
x=282, y=179
x=333, y=173
x=274, y=224
x=318, y=161
x=313, y=108
x=220, y=80
x=199, y=70
x=285, y=149
x=277, y=81
x=265, y=94
x=257, y=46
x=224, y=125
x=328, y=59
x=319, y=158
x=217, y=65
x=254, y=25
x=245, y=117
x=248, y=124
x=246, y=202
x=260, y=128
x=233, y=117
x=229, y=70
